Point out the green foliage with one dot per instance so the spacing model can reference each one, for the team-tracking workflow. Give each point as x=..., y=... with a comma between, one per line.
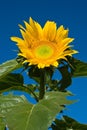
x=20, y=114
x=2, y=123
x=79, y=68
x=67, y=123
x=11, y=82
x=8, y=67
x=66, y=78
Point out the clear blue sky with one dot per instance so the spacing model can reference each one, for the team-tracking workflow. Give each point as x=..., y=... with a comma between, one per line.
x=71, y=13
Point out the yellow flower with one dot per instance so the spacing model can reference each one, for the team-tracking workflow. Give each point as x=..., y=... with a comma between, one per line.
x=43, y=46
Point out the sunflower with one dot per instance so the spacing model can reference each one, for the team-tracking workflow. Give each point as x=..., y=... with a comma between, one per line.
x=45, y=46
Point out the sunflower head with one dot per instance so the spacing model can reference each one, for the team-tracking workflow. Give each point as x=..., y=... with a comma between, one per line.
x=43, y=46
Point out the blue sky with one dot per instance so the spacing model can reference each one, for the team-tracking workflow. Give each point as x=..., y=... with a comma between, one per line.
x=70, y=13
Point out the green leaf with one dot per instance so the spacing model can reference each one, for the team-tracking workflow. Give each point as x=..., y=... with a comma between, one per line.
x=14, y=81
x=22, y=115
x=66, y=78
x=79, y=68
x=53, y=84
x=8, y=67
x=75, y=124
x=2, y=123
x=11, y=82
x=67, y=123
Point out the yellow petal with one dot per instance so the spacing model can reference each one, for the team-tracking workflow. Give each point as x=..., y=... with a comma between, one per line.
x=39, y=29
x=66, y=41
x=40, y=65
x=45, y=46
x=55, y=64
x=36, y=28
x=59, y=31
x=16, y=39
x=32, y=23
x=49, y=30
x=21, y=27
x=28, y=27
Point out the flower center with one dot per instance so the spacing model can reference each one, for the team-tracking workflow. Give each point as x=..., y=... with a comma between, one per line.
x=44, y=51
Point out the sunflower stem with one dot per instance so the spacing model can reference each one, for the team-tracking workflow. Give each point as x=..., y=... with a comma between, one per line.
x=42, y=84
